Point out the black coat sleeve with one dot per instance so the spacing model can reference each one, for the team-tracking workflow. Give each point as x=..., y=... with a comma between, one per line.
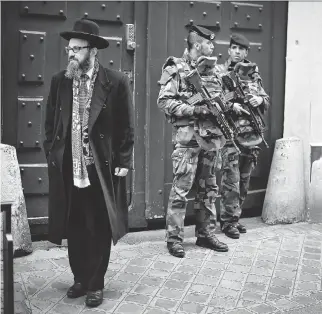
x=123, y=126
x=50, y=115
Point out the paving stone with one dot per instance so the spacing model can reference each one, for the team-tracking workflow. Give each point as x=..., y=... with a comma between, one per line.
x=311, y=263
x=131, y=308
x=239, y=268
x=287, y=267
x=273, y=297
x=265, y=264
x=308, y=285
x=166, y=304
x=158, y=273
x=224, y=293
x=243, y=261
x=313, y=243
x=261, y=271
x=137, y=298
x=314, y=309
x=151, y=281
x=197, y=297
x=141, y=262
x=235, y=276
x=284, y=304
x=303, y=300
x=316, y=295
x=289, y=253
x=310, y=270
x=50, y=294
x=170, y=293
x=215, y=266
x=251, y=286
x=113, y=294
x=281, y=282
x=245, y=303
x=42, y=305
x=201, y=288
x=309, y=277
x=253, y=296
x=180, y=276
x=119, y=285
x=154, y=310
x=134, y=269
x=285, y=274
x=192, y=262
x=263, y=309
x=163, y=266
x=77, y=301
x=288, y=260
x=176, y=284
x=65, y=309
x=185, y=269
x=239, y=311
x=265, y=257
x=212, y=272
x=115, y=266
x=258, y=279
x=219, y=259
x=230, y=284
x=207, y=280
x=189, y=307
x=280, y=290
x=308, y=249
x=128, y=277
x=201, y=255
x=223, y=303
x=315, y=257
x=145, y=289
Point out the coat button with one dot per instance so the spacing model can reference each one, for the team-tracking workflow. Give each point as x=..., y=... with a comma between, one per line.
x=106, y=162
x=101, y=135
x=60, y=108
x=58, y=138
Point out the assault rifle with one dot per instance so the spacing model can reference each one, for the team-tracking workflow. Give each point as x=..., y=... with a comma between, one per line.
x=203, y=97
x=232, y=83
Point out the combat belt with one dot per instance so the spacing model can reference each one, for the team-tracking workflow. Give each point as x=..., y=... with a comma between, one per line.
x=203, y=97
x=232, y=82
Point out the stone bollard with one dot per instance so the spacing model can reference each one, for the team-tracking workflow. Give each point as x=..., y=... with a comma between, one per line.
x=315, y=212
x=285, y=194
x=11, y=190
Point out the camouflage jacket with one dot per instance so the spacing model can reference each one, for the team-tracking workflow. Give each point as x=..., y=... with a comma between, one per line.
x=173, y=96
x=247, y=136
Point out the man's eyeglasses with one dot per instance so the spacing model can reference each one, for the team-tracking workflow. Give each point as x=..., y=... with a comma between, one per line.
x=75, y=48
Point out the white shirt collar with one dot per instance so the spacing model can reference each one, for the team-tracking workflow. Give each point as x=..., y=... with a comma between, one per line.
x=90, y=73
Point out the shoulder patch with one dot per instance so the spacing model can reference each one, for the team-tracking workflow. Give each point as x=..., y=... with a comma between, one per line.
x=169, y=69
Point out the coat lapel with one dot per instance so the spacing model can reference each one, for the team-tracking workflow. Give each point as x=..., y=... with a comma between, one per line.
x=66, y=97
x=102, y=88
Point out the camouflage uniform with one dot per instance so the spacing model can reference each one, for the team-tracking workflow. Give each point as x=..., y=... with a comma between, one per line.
x=237, y=169
x=194, y=156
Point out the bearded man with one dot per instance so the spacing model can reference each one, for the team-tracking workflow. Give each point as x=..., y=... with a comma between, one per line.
x=89, y=144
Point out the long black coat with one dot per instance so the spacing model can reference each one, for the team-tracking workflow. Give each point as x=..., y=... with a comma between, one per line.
x=111, y=139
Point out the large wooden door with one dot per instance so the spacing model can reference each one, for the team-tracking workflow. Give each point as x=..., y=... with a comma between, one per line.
x=264, y=24
x=32, y=51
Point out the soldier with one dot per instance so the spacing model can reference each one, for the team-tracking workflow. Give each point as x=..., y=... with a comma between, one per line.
x=237, y=169
x=195, y=154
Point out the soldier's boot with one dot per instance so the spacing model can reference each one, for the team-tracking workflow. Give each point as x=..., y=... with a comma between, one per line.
x=176, y=249
x=241, y=228
x=231, y=230
x=212, y=243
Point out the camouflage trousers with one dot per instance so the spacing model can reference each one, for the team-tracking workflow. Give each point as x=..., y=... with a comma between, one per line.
x=192, y=166
x=236, y=171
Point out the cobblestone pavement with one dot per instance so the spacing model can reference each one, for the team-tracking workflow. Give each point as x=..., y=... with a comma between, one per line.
x=270, y=269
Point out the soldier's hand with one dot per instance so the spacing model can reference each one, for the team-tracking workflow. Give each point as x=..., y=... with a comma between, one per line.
x=121, y=172
x=256, y=100
x=239, y=109
x=201, y=111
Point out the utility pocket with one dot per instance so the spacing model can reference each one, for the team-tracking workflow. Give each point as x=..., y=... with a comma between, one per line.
x=184, y=135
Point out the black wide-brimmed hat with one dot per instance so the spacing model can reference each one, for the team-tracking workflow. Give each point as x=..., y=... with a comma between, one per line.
x=87, y=30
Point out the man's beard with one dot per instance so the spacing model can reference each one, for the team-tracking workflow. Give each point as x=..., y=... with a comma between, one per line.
x=75, y=69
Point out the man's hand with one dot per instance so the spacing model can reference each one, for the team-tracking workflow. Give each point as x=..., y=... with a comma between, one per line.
x=239, y=109
x=201, y=111
x=121, y=172
x=256, y=100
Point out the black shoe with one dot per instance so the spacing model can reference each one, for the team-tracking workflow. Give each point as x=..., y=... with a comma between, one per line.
x=231, y=231
x=94, y=298
x=76, y=290
x=212, y=243
x=176, y=249
x=241, y=228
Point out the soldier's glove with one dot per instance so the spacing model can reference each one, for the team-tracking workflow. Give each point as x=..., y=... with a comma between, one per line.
x=201, y=111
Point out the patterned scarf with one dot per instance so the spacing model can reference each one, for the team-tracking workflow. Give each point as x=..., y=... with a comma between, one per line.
x=81, y=152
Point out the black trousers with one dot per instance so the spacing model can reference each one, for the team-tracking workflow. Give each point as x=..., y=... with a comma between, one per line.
x=88, y=233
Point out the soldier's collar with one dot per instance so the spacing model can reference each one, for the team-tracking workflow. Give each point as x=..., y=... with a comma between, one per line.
x=186, y=56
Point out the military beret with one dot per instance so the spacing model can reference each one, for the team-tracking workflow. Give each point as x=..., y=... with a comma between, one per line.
x=203, y=32
x=239, y=39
